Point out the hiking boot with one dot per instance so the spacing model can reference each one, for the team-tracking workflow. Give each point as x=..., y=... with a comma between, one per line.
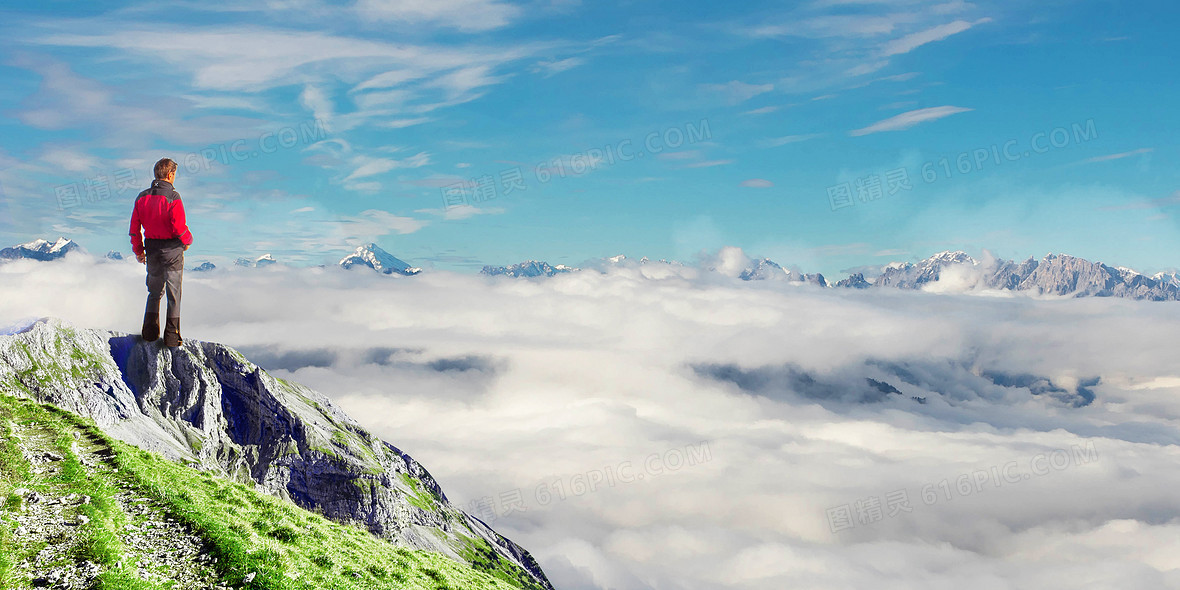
x=151, y=327
x=172, y=333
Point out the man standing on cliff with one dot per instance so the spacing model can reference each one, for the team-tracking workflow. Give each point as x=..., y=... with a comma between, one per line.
x=159, y=214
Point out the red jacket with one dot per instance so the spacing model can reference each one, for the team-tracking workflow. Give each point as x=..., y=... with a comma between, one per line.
x=160, y=213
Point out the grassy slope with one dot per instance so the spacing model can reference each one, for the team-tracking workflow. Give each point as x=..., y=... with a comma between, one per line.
x=248, y=532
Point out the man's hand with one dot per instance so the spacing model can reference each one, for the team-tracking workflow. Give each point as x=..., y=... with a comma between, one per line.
x=186, y=247
x=142, y=258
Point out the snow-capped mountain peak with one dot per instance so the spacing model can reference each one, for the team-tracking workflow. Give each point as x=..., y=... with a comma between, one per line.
x=261, y=261
x=909, y=275
x=765, y=269
x=1167, y=278
x=372, y=256
x=945, y=257
x=41, y=249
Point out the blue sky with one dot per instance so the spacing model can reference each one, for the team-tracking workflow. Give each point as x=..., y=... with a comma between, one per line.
x=826, y=134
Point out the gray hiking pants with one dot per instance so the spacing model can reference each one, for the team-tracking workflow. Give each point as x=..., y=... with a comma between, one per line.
x=165, y=269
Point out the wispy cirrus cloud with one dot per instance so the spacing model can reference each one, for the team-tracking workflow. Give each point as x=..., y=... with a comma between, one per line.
x=789, y=139
x=736, y=91
x=465, y=15
x=908, y=119
x=367, y=166
x=708, y=163
x=913, y=41
x=374, y=223
x=66, y=99
x=823, y=26
x=339, y=154
x=849, y=44
x=763, y=110
x=681, y=155
x=1118, y=156
x=553, y=67
x=256, y=58
x=1168, y=201
x=458, y=212
x=757, y=183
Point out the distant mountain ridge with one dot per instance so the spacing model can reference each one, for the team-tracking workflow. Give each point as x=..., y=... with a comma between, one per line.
x=42, y=250
x=1055, y=274
x=528, y=268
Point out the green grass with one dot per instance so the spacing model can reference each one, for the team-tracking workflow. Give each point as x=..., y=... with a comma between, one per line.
x=286, y=547
x=98, y=540
x=419, y=497
x=480, y=554
x=13, y=471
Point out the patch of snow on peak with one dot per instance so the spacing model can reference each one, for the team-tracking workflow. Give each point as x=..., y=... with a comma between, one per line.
x=372, y=256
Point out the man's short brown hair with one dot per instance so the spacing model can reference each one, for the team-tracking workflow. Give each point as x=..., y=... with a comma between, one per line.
x=165, y=168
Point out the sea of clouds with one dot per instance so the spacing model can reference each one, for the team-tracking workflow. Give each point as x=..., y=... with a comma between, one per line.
x=670, y=427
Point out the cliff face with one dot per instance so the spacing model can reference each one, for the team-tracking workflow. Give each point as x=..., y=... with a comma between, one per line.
x=206, y=404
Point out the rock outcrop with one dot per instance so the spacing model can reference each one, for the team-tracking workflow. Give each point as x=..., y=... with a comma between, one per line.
x=206, y=404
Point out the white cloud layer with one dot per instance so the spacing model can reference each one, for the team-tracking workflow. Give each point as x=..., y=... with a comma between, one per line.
x=508, y=385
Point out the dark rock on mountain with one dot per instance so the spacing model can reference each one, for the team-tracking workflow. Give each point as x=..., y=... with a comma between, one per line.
x=854, y=281
x=207, y=405
x=1008, y=275
x=949, y=381
x=816, y=279
x=1082, y=395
